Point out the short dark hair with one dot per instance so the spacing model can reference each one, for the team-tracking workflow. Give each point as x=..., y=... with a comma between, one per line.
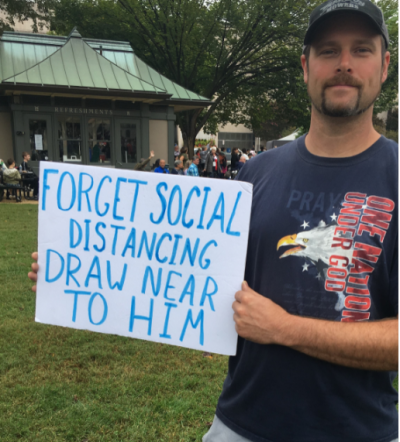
x=24, y=154
x=307, y=49
x=10, y=161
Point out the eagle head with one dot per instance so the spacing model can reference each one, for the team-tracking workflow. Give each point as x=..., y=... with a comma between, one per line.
x=300, y=240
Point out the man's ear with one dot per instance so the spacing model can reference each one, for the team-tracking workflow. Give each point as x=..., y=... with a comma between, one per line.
x=304, y=66
x=385, y=66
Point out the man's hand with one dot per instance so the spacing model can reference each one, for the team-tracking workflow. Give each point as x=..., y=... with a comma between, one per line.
x=35, y=267
x=152, y=154
x=257, y=318
x=369, y=345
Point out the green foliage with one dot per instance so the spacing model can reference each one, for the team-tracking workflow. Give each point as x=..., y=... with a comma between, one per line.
x=381, y=127
x=59, y=384
x=392, y=135
x=201, y=142
x=21, y=10
x=389, y=94
x=392, y=122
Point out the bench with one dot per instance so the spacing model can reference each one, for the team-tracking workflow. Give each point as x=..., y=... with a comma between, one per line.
x=14, y=188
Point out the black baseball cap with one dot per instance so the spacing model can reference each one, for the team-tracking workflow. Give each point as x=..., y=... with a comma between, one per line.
x=365, y=7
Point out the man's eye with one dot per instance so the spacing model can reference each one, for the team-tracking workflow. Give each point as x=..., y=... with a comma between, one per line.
x=363, y=50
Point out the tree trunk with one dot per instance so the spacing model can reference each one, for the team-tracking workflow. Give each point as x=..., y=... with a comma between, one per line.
x=187, y=123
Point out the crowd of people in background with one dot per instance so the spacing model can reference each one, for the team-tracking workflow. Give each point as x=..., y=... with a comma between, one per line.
x=209, y=161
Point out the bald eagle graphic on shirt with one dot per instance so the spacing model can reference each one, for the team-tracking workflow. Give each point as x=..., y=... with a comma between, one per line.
x=315, y=247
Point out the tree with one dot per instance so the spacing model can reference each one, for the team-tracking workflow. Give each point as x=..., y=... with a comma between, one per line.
x=23, y=10
x=389, y=94
x=232, y=51
x=392, y=121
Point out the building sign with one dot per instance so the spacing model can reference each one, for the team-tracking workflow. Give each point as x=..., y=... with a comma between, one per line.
x=38, y=142
x=79, y=110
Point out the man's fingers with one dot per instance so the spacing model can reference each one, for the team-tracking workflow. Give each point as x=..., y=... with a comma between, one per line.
x=32, y=276
x=35, y=256
x=241, y=295
x=235, y=306
x=35, y=267
x=34, y=288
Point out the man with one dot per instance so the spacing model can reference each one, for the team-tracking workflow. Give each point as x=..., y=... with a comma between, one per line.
x=212, y=166
x=176, y=151
x=28, y=176
x=262, y=149
x=203, y=157
x=241, y=162
x=161, y=168
x=178, y=168
x=144, y=162
x=193, y=168
x=317, y=314
x=222, y=162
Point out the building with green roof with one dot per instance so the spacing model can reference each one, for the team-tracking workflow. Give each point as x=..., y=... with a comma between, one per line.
x=87, y=101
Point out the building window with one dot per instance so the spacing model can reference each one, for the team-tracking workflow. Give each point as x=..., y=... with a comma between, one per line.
x=99, y=140
x=128, y=143
x=235, y=139
x=69, y=139
x=38, y=140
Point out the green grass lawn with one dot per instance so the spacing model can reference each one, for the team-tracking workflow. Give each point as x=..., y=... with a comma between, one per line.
x=59, y=384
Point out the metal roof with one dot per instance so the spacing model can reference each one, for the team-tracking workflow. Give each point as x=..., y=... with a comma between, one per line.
x=73, y=61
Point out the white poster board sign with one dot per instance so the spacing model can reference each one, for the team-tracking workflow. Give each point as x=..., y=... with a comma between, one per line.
x=38, y=142
x=145, y=255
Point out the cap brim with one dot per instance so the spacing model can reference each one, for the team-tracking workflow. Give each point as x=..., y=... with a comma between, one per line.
x=311, y=30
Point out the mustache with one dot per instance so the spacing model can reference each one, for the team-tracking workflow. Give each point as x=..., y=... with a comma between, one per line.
x=343, y=79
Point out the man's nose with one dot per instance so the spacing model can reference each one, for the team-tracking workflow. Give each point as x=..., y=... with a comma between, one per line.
x=345, y=62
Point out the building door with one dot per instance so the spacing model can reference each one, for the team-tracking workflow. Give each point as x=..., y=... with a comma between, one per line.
x=127, y=142
x=39, y=139
x=100, y=146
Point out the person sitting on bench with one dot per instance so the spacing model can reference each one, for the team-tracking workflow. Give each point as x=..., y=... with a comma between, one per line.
x=28, y=176
x=11, y=177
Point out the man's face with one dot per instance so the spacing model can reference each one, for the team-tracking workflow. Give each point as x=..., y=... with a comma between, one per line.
x=179, y=166
x=344, y=72
x=196, y=161
x=27, y=158
x=162, y=163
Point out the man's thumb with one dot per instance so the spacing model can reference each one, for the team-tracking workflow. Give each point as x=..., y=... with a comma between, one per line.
x=246, y=287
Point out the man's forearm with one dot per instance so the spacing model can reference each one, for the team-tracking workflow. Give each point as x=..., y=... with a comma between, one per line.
x=369, y=345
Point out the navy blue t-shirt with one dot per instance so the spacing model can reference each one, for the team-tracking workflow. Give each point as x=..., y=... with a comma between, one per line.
x=322, y=244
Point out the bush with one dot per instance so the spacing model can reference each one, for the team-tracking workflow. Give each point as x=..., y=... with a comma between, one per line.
x=392, y=135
